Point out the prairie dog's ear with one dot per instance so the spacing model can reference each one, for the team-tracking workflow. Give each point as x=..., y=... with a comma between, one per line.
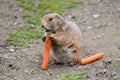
x=64, y=26
x=60, y=18
x=61, y=22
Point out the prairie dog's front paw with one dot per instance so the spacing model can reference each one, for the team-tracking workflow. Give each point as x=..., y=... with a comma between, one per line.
x=52, y=36
x=43, y=38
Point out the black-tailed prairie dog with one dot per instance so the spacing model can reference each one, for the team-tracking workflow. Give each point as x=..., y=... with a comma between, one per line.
x=66, y=39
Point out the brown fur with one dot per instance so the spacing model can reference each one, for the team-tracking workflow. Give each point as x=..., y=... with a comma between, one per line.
x=66, y=38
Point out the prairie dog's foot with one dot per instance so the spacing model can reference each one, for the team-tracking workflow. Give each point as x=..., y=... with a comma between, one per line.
x=52, y=60
x=71, y=64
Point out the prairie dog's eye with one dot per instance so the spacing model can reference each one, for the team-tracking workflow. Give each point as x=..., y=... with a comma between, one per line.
x=50, y=19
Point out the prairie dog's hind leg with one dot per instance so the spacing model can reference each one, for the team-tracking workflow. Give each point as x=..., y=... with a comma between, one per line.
x=75, y=58
x=52, y=60
x=61, y=55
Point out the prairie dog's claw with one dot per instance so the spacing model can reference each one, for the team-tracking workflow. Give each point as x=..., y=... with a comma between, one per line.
x=52, y=36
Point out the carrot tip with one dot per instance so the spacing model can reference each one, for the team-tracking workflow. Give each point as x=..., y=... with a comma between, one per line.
x=92, y=58
x=44, y=68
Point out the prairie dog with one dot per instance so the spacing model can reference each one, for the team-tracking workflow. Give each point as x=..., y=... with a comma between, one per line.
x=66, y=39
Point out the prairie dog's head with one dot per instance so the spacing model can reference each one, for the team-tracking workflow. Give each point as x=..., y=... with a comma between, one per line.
x=52, y=21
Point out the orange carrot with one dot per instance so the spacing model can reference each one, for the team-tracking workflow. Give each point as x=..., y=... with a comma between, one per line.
x=47, y=47
x=92, y=58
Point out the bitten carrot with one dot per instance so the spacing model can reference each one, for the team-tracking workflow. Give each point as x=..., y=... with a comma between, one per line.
x=92, y=58
x=47, y=47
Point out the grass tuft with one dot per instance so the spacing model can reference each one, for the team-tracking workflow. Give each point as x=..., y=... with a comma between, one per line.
x=45, y=6
x=24, y=35
x=44, y=79
x=72, y=76
x=1, y=72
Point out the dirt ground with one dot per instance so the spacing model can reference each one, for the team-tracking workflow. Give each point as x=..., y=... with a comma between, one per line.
x=99, y=22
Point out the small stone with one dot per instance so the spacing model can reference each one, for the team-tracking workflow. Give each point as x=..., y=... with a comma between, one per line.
x=37, y=60
x=108, y=61
x=104, y=72
x=12, y=50
x=15, y=23
x=117, y=59
x=71, y=16
x=103, y=35
x=96, y=15
x=97, y=37
x=21, y=10
x=47, y=73
x=26, y=71
x=90, y=27
x=58, y=76
x=15, y=78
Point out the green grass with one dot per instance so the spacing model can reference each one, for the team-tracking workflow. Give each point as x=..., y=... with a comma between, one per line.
x=1, y=72
x=45, y=6
x=72, y=76
x=44, y=79
x=32, y=13
x=24, y=35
